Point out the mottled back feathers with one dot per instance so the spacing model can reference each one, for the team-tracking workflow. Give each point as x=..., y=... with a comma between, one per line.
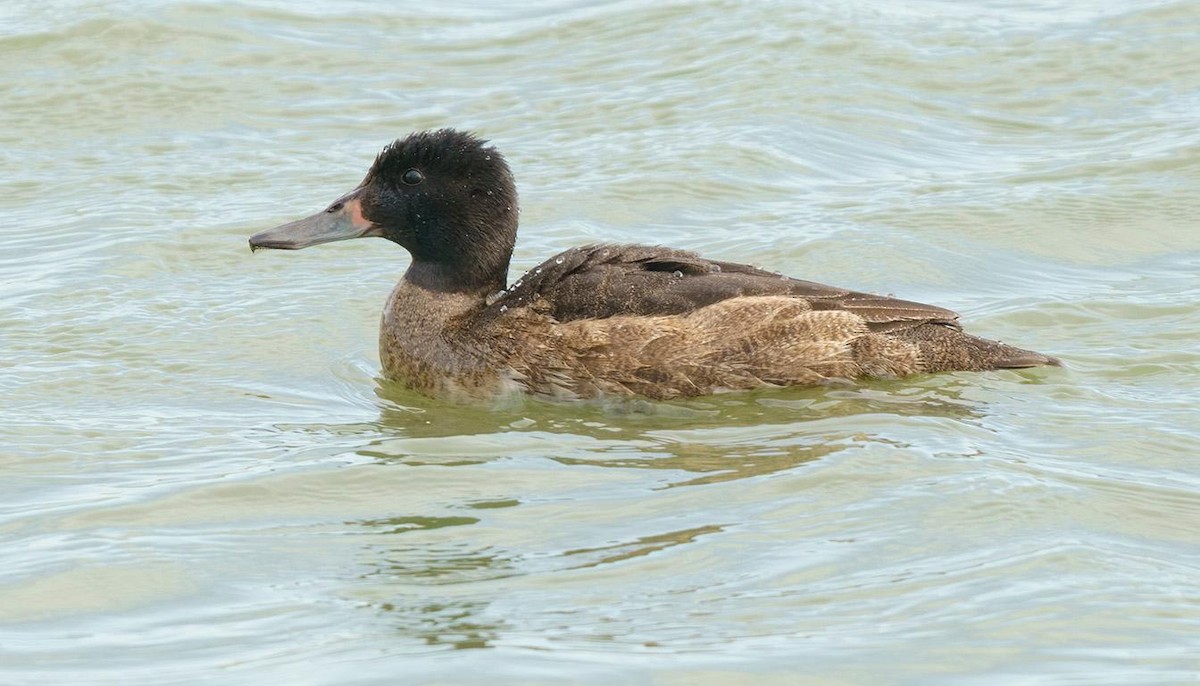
x=599, y=281
x=664, y=323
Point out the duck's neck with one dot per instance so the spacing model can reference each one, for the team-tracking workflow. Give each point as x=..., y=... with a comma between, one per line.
x=450, y=277
x=426, y=337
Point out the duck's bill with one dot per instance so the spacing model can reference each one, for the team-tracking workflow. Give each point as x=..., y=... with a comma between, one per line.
x=342, y=221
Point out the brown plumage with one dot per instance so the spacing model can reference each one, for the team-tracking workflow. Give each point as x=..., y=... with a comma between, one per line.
x=604, y=319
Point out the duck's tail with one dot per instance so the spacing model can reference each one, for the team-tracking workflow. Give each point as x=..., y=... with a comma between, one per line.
x=946, y=349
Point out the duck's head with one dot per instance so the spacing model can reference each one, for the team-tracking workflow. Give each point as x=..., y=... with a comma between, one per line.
x=444, y=196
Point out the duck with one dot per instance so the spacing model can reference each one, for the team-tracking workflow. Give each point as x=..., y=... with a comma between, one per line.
x=604, y=320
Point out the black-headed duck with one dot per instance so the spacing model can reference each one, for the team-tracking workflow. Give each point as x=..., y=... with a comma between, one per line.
x=604, y=319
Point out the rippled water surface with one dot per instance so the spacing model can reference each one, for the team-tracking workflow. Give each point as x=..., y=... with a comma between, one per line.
x=204, y=480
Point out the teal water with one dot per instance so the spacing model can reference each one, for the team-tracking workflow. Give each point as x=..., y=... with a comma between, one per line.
x=204, y=480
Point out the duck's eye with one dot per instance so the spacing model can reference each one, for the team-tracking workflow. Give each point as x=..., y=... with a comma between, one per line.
x=412, y=177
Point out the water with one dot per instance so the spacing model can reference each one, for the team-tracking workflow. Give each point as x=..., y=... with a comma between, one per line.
x=205, y=481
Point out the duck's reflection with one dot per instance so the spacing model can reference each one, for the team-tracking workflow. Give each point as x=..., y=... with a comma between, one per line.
x=719, y=438
x=418, y=415
x=451, y=625
x=715, y=463
x=437, y=620
x=439, y=617
x=433, y=572
x=643, y=545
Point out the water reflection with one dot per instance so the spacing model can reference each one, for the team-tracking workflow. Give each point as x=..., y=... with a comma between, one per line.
x=396, y=525
x=406, y=413
x=644, y=545
x=410, y=551
x=719, y=438
x=717, y=463
x=449, y=625
x=431, y=571
x=434, y=619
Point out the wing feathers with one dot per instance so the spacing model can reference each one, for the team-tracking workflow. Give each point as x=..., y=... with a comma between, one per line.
x=600, y=281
